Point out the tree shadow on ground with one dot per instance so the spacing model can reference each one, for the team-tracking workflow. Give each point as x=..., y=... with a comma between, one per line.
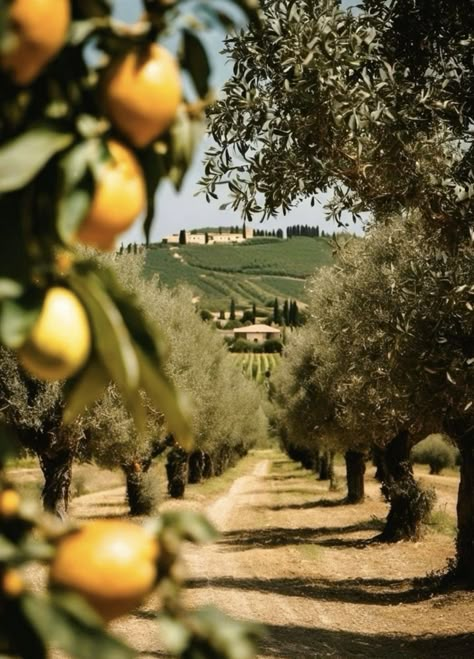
x=275, y=536
x=92, y=514
x=283, y=477
x=293, y=642
x=296, y=491
x=379, y=592
x=321, y=503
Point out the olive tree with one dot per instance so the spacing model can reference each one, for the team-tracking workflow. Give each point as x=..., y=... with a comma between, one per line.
x=223, y=406
x=306, y=412
x=34, y=410
x=397, y=314
x=373, y=103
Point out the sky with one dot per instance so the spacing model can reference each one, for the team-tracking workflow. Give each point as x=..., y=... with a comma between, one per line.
x=183, y=210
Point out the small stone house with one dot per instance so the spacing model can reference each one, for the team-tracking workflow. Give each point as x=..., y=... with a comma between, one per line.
x=257, y=333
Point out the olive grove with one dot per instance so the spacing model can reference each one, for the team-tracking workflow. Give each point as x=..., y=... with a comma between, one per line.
x=374, y=105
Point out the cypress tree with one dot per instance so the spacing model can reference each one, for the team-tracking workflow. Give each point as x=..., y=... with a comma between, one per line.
x=286, y=313
x=276, y=312
x=296, y=319
x=182, y=237
x=232, y=309
x=254, y=313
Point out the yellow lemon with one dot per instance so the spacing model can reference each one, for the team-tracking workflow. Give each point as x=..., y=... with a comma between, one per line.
x=111, y=563
x=39, y=28
x=60, y=340
x=141, y=93
x=119, y=197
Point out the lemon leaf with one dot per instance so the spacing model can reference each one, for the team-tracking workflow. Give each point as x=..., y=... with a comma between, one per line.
x=23, y=157
x=84, y=389
x=163, y=394
x=112, y=341
x=65, y=621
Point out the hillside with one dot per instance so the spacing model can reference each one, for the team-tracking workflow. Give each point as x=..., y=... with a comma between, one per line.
x=256, y=271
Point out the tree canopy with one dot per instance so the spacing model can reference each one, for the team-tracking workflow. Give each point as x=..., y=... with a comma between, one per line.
x=374, y=103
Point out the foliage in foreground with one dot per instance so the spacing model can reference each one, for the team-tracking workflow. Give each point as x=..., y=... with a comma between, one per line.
x=85, y=139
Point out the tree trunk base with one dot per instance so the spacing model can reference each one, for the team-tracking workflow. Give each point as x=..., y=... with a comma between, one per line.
x=355, y=470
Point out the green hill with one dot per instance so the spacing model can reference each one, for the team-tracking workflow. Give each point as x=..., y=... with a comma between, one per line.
x=255, y=271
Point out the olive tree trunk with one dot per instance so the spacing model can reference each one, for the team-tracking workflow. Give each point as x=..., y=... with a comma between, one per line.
x=324, y=466
x=379, y=463
x=463, y=434
x=355, y=470
x=141, y=492
x=177, y=472
x=57, y=472
x=409, y=503
x=208, y=467
x=196, y=466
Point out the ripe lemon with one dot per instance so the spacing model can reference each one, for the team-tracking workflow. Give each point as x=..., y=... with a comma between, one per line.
x=141, y=93
x=119, y=197
x=39, y=28
x=60, y=340
x=11, y=583
x=9, y=503
x=111, y=563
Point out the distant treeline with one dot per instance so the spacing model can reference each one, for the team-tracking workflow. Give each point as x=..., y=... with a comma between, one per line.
x=295, y=230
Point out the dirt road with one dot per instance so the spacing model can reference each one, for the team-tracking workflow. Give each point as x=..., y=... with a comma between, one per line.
x=293, y=557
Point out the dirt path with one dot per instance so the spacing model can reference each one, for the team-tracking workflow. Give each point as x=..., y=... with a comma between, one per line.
x=292, y=557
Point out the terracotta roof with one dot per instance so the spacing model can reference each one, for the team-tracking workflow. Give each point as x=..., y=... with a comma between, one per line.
x=265, y=329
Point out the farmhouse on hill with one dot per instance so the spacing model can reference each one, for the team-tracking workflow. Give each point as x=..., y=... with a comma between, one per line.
x=210, y=238
x=257, y=333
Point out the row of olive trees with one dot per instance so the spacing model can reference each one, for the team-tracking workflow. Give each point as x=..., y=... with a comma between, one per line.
x=223, y=405
x=386, y=359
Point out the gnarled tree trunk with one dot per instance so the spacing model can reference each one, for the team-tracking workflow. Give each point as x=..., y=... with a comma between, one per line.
x=56, y=466
x=196, y=466
x=324, y=466
x=409, y=503
x=462, y=433
x=355, y=470
x=139, y=491
x=379, y=463
x=208, y=468
x=177, y=472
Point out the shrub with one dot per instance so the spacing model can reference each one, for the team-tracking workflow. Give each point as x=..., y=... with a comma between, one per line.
x=232, y=324
x=272, y=345
x=241, y=345
x=436, y=452
x=206, y=315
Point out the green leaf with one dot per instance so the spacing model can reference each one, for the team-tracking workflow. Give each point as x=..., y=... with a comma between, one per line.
x=84, y=389
x=65, y=621
x=152, y=164
x=185, y=134
x=194, y=59
x=23, y=157
x=174, y=634
x=8, y=550
x=112, y=341
x=111, y=336
x=9, y=288
x=17, y=317
x=163, y=394
x=217, y=634
x=191, y=526
x=77, y=187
